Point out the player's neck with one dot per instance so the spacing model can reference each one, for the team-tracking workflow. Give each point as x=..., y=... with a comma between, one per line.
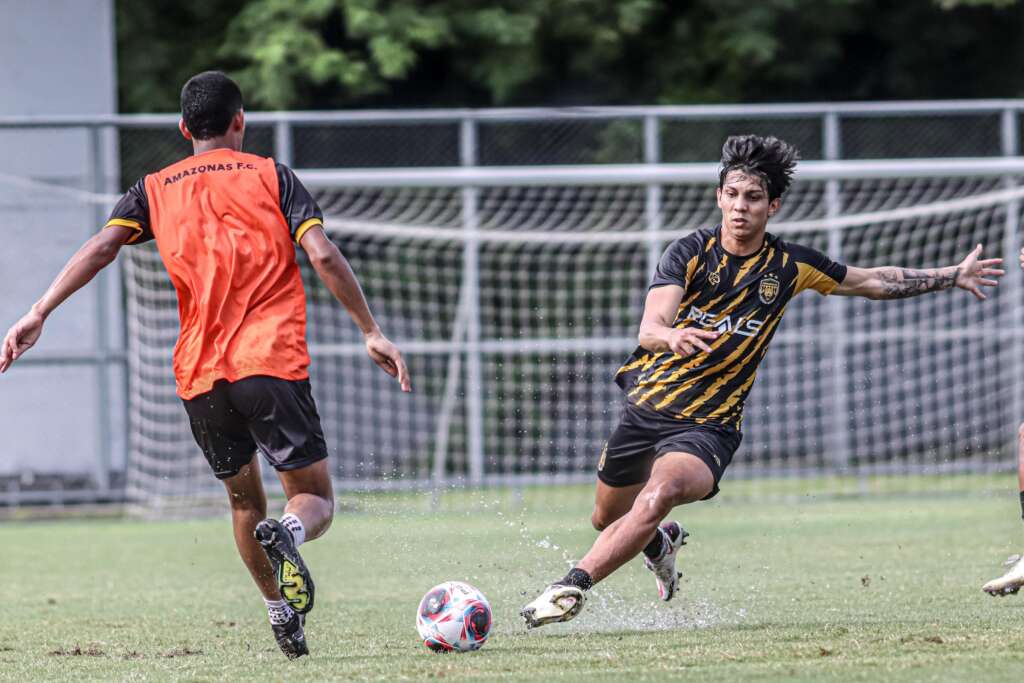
x=744, y=246
x=203, y=146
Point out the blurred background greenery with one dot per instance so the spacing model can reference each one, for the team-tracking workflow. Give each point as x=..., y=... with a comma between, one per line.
x=329, y=54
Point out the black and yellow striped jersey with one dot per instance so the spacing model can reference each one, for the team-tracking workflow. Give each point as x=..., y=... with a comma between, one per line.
x=743, y=298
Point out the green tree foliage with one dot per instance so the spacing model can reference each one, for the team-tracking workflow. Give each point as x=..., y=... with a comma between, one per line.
x=160, y=43
x=340, y=53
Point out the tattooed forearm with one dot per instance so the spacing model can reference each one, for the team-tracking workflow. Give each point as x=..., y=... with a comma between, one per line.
x=901, y=283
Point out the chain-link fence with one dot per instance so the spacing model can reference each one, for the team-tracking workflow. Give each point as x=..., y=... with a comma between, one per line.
x=599, y=135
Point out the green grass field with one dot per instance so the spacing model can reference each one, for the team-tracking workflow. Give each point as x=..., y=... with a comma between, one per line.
x=883, y=588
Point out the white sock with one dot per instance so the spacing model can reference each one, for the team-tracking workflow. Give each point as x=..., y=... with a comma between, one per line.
x=294, y=525
x=279, y=611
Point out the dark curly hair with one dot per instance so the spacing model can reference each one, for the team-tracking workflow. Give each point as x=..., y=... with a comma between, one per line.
x=208, y=103
x=770, y=159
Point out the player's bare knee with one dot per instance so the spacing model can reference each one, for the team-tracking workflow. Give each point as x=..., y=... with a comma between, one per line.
x=1020, y=433
x=655, y=502
x=599, y=519
x=659, y=498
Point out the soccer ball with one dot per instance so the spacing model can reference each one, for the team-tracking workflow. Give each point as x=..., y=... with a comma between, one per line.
x=454, y=616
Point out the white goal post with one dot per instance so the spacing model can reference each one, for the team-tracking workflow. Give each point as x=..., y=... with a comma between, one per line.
x=515, y=292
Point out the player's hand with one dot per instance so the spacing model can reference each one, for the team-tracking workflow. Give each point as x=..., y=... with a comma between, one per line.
x=687, y=341
x=1022, y=257
x=974, y=273
x=389, y=358
x=20, y=338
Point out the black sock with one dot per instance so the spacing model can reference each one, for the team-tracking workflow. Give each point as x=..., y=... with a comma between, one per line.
x=654, y=548
x=1022, y=504
x=579, y=578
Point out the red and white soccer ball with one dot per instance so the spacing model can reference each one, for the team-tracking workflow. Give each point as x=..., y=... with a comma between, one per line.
x=454, y=617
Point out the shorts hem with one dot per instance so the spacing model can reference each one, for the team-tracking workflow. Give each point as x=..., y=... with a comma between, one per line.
x=618, y=484
x=299, y=464
x=227, y=474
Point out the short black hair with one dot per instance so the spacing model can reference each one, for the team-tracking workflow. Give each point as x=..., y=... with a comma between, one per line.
x=208, y=103
x=770, y=159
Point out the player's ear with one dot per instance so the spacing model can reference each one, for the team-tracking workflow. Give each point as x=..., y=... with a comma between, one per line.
x=773, y=206
x=238, y=122
x=718, y=195
x=184, y=131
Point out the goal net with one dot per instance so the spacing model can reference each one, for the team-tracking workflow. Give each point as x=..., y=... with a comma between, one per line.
x=516, y=293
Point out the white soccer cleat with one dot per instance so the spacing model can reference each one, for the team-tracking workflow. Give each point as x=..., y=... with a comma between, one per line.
x=556, y=603
x=664, y=568
x=1010, y=582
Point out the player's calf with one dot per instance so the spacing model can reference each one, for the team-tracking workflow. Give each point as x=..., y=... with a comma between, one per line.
x=611, y=503
x=280, y=541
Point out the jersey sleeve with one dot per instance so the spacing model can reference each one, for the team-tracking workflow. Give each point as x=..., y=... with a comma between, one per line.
x=816, y=271
x=300, y=210
x=678, y=263
x=132, y=211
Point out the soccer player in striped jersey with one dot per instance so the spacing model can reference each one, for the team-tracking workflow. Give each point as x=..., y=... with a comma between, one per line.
x=715, y=301
x=227, y=225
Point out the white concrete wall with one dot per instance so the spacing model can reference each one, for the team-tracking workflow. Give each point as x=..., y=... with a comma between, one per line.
x=58, y=57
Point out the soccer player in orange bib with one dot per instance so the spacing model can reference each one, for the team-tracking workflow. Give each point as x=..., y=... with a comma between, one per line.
x=714, y=303
x=227, y=225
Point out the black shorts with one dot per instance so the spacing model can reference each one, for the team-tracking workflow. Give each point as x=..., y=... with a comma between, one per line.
x=643, y=436
x=276, y=416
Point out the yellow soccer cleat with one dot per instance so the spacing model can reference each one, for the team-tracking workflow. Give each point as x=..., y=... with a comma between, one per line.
x=293, y=578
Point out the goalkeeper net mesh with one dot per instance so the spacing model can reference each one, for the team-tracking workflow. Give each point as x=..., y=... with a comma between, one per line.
x=514, y=305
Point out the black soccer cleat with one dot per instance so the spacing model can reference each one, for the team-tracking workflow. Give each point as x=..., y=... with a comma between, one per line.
x=290, y=637
x=292, y=575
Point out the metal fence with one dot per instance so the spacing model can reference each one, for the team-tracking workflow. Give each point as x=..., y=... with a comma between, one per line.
x=415, y=143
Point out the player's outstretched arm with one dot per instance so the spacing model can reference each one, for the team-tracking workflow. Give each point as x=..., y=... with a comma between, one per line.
x=656, y=331
x=335, y=272
x=891, y=282
x=95, y=255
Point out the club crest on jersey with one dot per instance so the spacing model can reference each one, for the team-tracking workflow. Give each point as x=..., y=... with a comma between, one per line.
x=768, y=289
x=714, y=278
